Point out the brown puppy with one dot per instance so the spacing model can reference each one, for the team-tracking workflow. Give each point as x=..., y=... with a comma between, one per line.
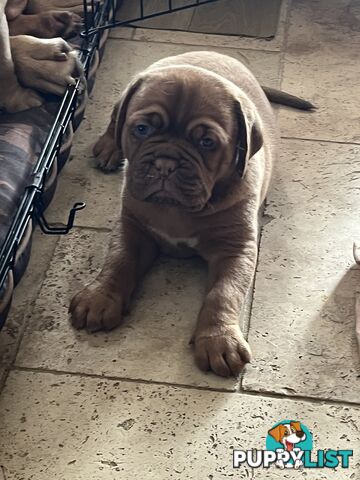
x=199, y=135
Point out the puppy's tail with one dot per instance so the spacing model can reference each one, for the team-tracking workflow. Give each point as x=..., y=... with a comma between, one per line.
x=277, y=96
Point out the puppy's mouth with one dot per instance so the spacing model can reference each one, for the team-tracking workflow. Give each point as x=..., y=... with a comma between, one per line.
x=164, y=192
x=163, y=197
x=289, y=446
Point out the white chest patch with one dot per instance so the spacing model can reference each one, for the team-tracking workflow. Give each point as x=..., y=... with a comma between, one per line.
x=190, y=242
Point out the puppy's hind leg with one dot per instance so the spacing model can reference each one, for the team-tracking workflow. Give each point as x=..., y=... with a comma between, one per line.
x=13, y=97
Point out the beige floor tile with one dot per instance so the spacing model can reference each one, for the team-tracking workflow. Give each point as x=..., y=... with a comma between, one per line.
x=80, y=181
x=213, y=41
x=321, y=64
x=25, y=294
x=87, y=428
x=153, y=344
x=125, y=33
x=238, y=17
x=137, y=55
x=302, y=324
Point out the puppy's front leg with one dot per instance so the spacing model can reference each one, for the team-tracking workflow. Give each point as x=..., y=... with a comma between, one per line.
x=219, y=343
x=102, y=304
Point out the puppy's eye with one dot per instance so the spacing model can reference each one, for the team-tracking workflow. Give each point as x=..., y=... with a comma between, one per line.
x=142, y=130
x=286, y=434
x=208, y=143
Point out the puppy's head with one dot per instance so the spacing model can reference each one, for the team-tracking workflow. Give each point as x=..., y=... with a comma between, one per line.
x=288, y=434
x=184, y=131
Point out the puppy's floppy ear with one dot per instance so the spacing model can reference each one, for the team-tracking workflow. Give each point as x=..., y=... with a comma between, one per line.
x=296, y=425
x=119, y=112
x=277, y=432
x=250, y=138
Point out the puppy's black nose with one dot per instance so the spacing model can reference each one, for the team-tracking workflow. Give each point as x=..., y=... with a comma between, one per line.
x=300, y=434
x=165, y=166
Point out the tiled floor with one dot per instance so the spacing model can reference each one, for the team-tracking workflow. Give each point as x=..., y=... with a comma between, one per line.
x=131, y=404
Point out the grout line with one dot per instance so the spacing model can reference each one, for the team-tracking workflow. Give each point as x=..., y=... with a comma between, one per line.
x=191, y=19
x=3, y=473
x=95, y=229
x=319, y=140
x=261, y=215
x=125, y=37
x=250, y=393
x=209, y=44
x=285, y=41
x=119, y=379
x=301, y=398
x=4, y=377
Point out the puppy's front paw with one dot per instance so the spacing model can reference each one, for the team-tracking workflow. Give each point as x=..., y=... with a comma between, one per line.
x=96, y=308
x=223, y=350
x=107, y=156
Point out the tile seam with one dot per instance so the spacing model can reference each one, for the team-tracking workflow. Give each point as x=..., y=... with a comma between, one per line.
x=250, y=393
x=235, y=47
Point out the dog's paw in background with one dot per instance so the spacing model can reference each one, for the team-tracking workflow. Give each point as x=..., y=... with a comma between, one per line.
x=58, y=23
x=222, y=350
x=46, y=65
x=48, y=24
x=37, y=6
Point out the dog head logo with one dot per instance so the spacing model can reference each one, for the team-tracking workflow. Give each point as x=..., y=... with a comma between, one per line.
x=289, y=436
